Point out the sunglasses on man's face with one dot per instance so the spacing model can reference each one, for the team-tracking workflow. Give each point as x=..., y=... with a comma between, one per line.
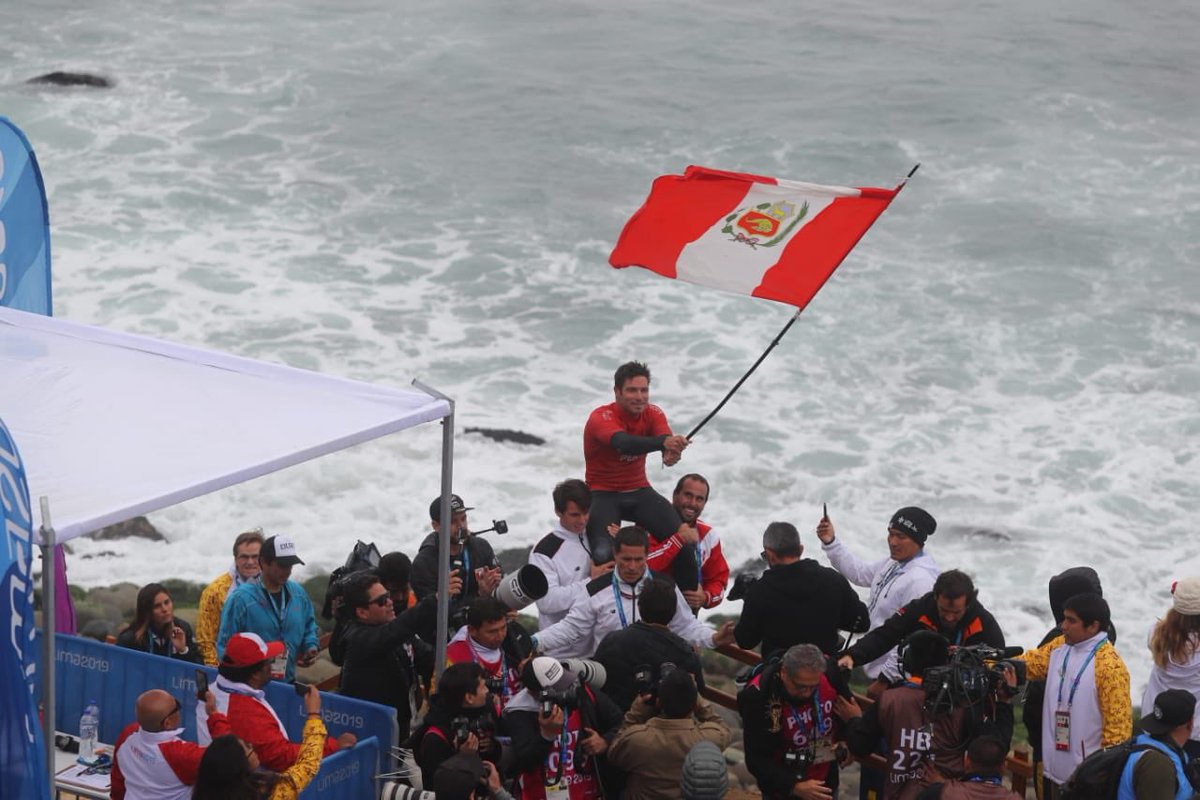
x=381, y=601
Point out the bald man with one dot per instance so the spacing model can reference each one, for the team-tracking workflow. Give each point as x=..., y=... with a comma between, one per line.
x=150, y=760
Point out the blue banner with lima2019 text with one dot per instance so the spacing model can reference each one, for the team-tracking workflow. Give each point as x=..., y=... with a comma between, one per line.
x=24, y=226
x=22, y=753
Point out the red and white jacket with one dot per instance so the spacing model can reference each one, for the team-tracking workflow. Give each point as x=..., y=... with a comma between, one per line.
x=498, y=666
x=252, y=718
x=714, y=570
x=158, y=764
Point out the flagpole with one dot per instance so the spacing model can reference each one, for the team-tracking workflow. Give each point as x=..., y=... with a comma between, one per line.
x=750, y=372
x=771, y=346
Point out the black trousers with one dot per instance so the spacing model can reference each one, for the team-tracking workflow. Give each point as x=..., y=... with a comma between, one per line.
x=643, y=507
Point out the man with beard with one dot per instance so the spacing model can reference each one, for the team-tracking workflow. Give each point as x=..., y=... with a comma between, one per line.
x=692, y=555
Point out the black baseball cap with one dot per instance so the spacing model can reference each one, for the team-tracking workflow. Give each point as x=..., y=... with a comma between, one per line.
x=280, y=549
x=1172, y=708
x=457, y=506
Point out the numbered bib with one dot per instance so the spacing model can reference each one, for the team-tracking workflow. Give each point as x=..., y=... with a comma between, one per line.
x=1062, y=731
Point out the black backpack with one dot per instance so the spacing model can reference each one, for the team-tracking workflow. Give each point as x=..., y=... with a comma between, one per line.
x=1098, y=777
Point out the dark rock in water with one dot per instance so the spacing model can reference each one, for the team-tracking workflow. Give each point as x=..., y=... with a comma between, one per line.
x=72, y=79
x=138, y=527
x=988, y=534
x=505, y=435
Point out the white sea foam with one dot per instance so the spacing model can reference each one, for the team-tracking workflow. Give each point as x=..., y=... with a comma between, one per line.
x=432, y=192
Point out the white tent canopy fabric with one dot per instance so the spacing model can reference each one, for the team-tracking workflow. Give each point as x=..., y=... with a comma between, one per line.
x=111, y=425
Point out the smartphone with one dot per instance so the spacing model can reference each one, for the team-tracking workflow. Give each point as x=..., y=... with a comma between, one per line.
x=301, y=688
x=824, y=511
x=201, y=685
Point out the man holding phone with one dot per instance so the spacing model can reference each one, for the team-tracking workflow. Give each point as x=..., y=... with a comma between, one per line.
x=244, y=672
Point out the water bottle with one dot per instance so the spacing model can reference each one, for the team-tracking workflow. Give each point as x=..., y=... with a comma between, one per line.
x=89, y=727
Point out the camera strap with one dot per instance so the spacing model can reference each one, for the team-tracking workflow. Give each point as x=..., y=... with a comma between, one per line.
x=564, y=741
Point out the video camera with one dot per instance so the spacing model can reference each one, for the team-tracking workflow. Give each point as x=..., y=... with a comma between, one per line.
x=363, y=556
x=499, y=526
x=973, y=675
x=647, y=678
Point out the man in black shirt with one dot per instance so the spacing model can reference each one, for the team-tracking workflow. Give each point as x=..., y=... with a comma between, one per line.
x=797, y=601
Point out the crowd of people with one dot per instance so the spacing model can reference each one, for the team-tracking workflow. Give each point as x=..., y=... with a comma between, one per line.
x=604, y=699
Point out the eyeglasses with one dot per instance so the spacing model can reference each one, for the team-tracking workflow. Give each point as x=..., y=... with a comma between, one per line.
x=381, y=601
x=248, y=557
x=178, y=707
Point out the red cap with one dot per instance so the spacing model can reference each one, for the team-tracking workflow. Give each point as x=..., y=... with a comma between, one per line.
x=248, y=649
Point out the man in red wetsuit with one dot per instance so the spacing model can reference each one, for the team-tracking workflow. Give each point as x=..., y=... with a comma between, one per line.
x=616, y=439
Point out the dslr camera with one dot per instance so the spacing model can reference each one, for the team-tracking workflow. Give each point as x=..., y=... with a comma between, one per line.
x=462, y=727
x=647, y=677
x=798, y=761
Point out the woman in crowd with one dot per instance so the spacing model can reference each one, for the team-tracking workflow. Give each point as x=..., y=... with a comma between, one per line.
x=155, y=628
x=1175, y=646
x=229, y=769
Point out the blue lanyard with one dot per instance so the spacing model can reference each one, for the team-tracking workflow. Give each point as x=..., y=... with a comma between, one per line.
x=699, y=568
x=993, y=779
x=895, y=571
x=821, y=727
x=564, y=741
x=280, y=613
x=1075, y=685
x=620, y=607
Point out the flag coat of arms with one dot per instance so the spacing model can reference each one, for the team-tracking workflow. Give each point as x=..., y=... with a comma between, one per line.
x=749, y=234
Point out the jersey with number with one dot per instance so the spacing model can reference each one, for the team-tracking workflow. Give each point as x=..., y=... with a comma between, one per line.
x=808, y=729
x=916, y=739
x=567, y=773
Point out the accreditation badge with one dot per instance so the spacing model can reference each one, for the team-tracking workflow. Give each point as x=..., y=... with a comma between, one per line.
x=1062, y=731
x=279, y=665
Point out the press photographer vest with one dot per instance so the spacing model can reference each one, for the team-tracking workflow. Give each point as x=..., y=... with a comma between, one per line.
x=914, y=739
x=578, y=780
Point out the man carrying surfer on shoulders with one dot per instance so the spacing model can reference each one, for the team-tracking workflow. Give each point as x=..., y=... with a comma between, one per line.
x=616, y=439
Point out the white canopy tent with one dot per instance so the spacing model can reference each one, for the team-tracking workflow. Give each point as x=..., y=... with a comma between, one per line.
x=111, y=425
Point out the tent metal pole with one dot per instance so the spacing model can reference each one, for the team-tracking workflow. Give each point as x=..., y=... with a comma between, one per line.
x=48, y=625
x=443, y=608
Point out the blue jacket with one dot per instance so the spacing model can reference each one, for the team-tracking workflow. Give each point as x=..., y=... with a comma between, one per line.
x=1183, y=790
x=249, y=609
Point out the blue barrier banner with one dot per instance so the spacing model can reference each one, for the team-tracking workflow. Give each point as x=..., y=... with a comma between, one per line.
x=24, y=226
x=22, y=751
x=86, y=669
x=347, y=773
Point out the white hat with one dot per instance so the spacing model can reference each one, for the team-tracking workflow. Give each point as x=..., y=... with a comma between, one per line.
x=549, y=673
x=1187, y=596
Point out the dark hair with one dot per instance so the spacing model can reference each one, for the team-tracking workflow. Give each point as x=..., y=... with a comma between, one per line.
x=922, y=650
x=225, y=773
x=1089, y=608
x=239, y=674
x=783, y=538
x=574, y=491
x=483, y=610
x=395, y=570
x=954, y=584
x=255, y=535
x=693, y=476
x=631, y=536
x=657, y=602
x=457, y=681
x=987, y=753
x=356, y=590
x=630, y=369
x=677, y=694
x=145, y=610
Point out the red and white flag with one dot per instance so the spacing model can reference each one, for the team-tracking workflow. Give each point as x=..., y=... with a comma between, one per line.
x=748, y=234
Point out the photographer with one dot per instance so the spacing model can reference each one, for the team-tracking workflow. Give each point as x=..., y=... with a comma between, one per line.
x=462, y=718
x=658, y=734
x=925, y=741
x=561, y=728
x=647, y=643
x=471, y=556
x=497, y=645
x=791, y=734
x=827, y=601
x=374, y=645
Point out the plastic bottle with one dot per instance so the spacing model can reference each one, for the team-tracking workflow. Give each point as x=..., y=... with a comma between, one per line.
x=89, y=728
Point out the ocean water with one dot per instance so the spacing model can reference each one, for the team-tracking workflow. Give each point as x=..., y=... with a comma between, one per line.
x=390, y=191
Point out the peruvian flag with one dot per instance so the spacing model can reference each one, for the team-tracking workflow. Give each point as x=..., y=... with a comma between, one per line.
x=748, y=234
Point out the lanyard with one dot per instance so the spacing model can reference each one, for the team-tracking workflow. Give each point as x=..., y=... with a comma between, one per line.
x=620, y=607
x=992, y=779
x=279, y=612
x=821, y=727
x=564, y=741
x=466, y=555
x=504, y=688
x=1075, y=685
x=889, y=577
x=699, y=568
